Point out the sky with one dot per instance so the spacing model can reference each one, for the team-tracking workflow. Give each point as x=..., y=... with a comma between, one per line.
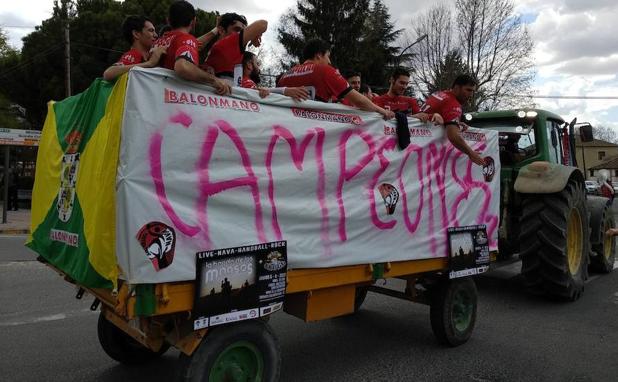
x=576, y=49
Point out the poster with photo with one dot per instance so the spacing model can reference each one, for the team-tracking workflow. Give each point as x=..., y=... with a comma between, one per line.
x=240, y=283
x=468, y=251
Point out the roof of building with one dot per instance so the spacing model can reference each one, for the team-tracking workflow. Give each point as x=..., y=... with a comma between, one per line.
x=595, y=143
x=610, y=163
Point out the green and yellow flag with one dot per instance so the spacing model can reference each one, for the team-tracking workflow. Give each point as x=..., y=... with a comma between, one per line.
x=73, y=214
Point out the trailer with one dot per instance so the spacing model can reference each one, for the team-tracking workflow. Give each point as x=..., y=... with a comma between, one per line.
x=191, y=218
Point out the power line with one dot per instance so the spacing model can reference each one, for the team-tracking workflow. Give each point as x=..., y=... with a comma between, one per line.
x=97, y=47
x=31, y=60
x=563, y=96
x=19, y=26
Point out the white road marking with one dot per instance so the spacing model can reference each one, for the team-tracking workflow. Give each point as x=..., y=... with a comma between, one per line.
x=52, y=317
x=590, y=278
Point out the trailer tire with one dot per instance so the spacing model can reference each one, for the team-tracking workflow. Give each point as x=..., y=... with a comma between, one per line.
x=555, y=243
x=605, y=249
x=123, y=348
x=453, y=310
x=245, y=351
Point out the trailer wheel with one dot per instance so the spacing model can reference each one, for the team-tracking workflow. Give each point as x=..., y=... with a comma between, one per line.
x=605, y=250
x=453, y=311
x=123, y=348
x=555, y=242
x=247, y=351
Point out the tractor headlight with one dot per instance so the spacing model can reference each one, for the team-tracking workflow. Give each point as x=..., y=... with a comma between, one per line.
x=521, y=114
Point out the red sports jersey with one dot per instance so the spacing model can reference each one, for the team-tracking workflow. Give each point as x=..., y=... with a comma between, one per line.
x=225, y=54
x=404, y=104
x=131, y=57
x=248, y=83
x=445, y=104
x=179, y=45
x=346, y=102
x=326, y=80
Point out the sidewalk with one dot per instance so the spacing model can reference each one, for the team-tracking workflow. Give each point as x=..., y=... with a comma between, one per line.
x=18, y=222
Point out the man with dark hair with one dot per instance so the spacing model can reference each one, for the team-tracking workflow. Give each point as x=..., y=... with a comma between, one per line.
x=140, y=33
x=251, y=79
x=317, y=72
x=181, y=48
x=234, y=35
x=354, y=79
x=394, y=99
x=448, y=103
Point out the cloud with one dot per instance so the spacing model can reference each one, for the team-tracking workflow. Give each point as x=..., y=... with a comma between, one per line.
x=17, y=14
x=591, y=65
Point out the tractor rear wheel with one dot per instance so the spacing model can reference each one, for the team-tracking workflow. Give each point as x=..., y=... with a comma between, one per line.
x=605, y=249
x=554, y=240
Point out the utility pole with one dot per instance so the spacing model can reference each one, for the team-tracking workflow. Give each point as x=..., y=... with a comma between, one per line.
x=66, y=13
x=67, y=54
x=5, y=191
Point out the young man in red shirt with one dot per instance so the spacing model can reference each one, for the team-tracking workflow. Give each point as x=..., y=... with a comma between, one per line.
x=394, y=99
x=140, y=33
x=181, y=53
x=448, y=103
x=234, y=35
x=317, y=72
x=251, y=79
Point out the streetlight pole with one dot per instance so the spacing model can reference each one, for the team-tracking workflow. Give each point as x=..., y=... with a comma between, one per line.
x=410, y=46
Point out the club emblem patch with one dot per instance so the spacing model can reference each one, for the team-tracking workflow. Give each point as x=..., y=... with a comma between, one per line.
x=68, y=177
x=158, y=241
x=489, y=169
x=390, y=195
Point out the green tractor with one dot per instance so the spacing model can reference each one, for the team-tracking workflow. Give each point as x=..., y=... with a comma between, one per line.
x=545, y=215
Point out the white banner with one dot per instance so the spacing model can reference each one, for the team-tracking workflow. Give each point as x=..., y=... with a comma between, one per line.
x=199, y=172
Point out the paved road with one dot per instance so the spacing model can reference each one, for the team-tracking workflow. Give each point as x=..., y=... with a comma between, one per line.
x=48, y=335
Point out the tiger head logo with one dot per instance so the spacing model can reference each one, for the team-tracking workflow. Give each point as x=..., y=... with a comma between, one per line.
x=390, y=195
x=158, y=241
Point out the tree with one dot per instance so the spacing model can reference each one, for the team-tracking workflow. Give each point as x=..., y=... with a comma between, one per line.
x=497, y=48
x=447, y=70
x=605, y=133
x=10, y=113
x=360, y=32
x=339, y=23
x=494, y=45
x=376, y=54
x=37, y=75
x=428, y=55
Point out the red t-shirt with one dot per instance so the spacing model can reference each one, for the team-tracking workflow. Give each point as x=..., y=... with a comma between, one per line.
x=445, y=104
x=248, y=83
x=179, y=45
x=404, y=104
x=326, y=80
x=225, y=54
x=131, y=57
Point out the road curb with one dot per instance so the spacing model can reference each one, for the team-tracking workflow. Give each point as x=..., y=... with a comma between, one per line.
x=14, y=231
